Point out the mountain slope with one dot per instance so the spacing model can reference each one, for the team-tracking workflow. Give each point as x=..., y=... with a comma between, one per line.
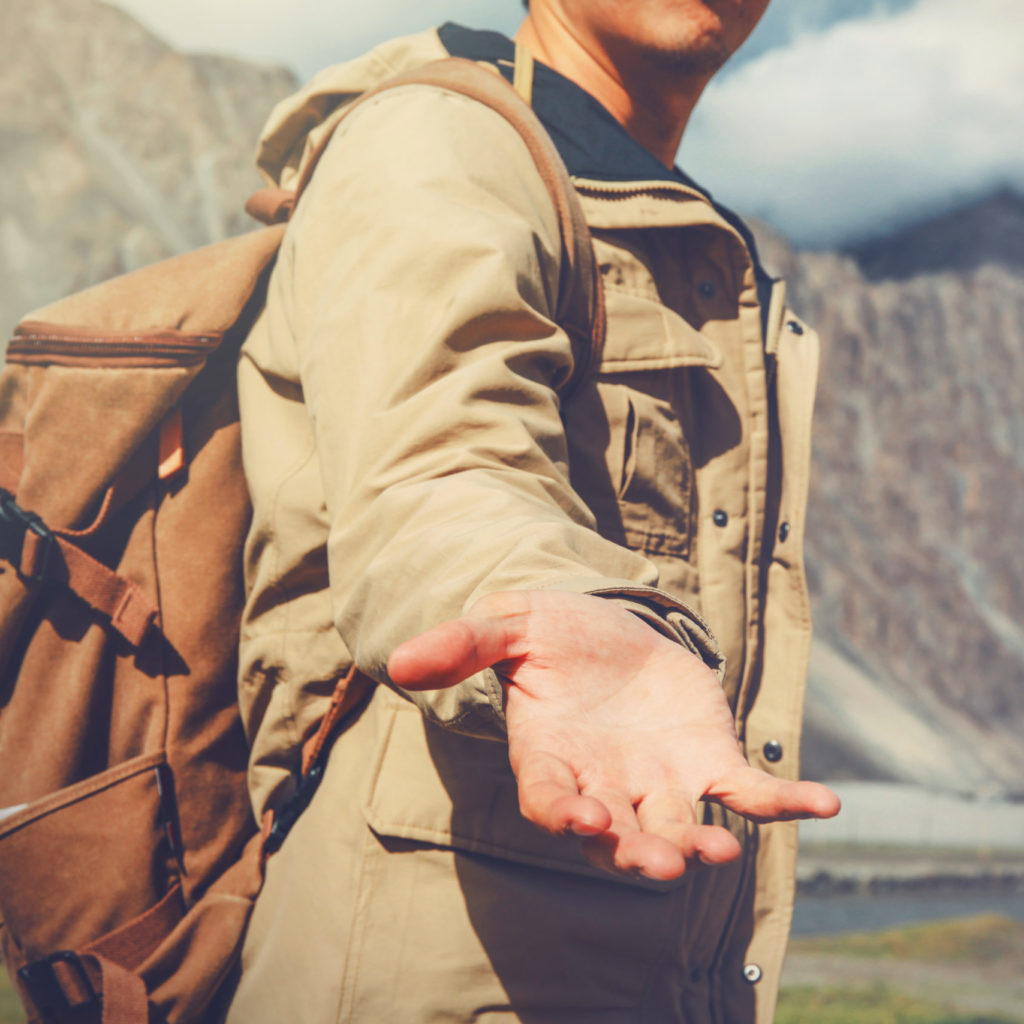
x=989, y=230
x=116, y=150
x=916, y=510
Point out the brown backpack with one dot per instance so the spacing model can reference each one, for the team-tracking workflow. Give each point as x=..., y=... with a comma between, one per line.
x=129, y=858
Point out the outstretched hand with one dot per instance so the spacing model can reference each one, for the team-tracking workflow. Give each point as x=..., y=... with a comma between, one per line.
x=614, y=731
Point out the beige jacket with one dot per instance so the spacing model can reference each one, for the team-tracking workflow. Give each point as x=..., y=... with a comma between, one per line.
x=407, y=454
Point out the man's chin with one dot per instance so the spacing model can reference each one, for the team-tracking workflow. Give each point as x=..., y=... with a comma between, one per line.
x=700, y=60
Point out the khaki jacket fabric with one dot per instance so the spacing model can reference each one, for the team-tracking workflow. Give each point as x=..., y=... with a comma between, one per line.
x=407, y=453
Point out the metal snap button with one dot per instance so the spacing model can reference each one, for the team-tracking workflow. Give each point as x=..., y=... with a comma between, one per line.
x=707, y=289
x=772, y=751
x=752, y=974
x=783, y=532
x=720, y=518
x=794, y=328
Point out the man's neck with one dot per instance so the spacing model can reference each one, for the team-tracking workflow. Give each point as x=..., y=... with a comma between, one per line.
x=652, y=105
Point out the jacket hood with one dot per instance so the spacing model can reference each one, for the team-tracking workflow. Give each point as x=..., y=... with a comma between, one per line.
x=296, y=124
x=592, y=144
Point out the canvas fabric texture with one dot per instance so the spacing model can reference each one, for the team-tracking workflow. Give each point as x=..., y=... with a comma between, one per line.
x=128, y=843
x=129, y=855
x=407, y=454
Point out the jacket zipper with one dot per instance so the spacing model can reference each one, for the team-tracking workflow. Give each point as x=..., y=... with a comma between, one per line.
x=629, y=189
x=618, y=191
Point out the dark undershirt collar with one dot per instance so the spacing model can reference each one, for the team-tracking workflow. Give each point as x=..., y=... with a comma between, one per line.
x=591, y=142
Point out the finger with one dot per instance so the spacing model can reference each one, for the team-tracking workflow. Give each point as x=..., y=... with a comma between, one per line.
x=449, y=653
x=762, y=798
x=623, y=848
x=633, y=854
x=605, y=850
x=673, y=816
x=549, y=796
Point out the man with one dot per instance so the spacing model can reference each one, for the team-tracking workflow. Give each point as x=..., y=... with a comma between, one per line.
x=427, y=509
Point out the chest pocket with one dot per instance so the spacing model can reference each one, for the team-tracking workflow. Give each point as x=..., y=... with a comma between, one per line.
x=628, y=426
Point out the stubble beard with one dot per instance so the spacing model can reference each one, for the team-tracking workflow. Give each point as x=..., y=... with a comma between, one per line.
x=691, y=46
x=701, y=59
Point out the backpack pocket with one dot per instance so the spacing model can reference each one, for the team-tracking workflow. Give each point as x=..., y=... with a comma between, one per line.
x=90, y=859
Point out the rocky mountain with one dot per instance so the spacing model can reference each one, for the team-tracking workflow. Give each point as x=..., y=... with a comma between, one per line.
x=114, y=150
x=986, y=231
x=916, y=567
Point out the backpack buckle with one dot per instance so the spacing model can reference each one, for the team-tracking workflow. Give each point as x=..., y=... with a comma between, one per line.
x=15, y=523
x=289, y=813
x=58, y=983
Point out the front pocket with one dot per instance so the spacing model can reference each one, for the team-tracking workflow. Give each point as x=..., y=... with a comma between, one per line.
x=629, y=454
x=645, y=334
x=631, y=463
x=87, y=859
x=434, y=786
x=656, y=501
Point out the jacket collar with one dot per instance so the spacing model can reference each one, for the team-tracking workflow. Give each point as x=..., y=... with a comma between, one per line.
x=591, y=142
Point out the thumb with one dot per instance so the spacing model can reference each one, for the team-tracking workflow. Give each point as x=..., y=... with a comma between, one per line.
x=762, y=797
x=450, y=652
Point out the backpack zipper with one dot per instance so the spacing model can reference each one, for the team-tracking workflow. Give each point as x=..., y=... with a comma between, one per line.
x=57, y=344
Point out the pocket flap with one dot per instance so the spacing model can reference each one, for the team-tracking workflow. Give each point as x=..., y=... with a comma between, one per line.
x=645, y=335
x=85, y=860
x=435, y=786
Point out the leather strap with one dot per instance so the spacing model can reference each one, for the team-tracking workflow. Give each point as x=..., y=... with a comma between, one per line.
x=123, y=602
x=123, y=993
x=46, y=555
x=171, y=457
x=350, y=689
x=130, y=944
x=86, y=989
x=581, y=298
x=56, y=554
x=522, y=75
x=100, y=984
x=270, y=205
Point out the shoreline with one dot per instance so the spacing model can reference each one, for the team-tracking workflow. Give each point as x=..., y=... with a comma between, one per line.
x=848, y=870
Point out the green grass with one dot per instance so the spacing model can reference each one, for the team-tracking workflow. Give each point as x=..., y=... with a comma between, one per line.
x=986, y=938
x=11, y=1011
x=874, y=1005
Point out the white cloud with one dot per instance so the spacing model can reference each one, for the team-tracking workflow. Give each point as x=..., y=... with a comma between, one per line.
x=870, y=122
x=307, y=35
x=841, y=133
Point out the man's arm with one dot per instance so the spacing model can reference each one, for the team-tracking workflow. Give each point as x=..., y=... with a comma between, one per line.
x=424, y=261
x=422, y=271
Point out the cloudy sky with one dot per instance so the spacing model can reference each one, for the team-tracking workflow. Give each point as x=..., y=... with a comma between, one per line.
x=838, y=119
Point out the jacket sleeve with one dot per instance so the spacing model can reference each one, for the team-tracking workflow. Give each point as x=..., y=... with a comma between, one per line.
x=424, y=262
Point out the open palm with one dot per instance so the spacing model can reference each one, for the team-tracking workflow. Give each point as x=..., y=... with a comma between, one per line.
x=615, y=732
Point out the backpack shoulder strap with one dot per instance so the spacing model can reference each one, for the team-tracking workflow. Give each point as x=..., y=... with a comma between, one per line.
x=581, y=300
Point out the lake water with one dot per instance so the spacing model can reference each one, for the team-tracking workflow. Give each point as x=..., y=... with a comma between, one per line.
x=830, y=915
